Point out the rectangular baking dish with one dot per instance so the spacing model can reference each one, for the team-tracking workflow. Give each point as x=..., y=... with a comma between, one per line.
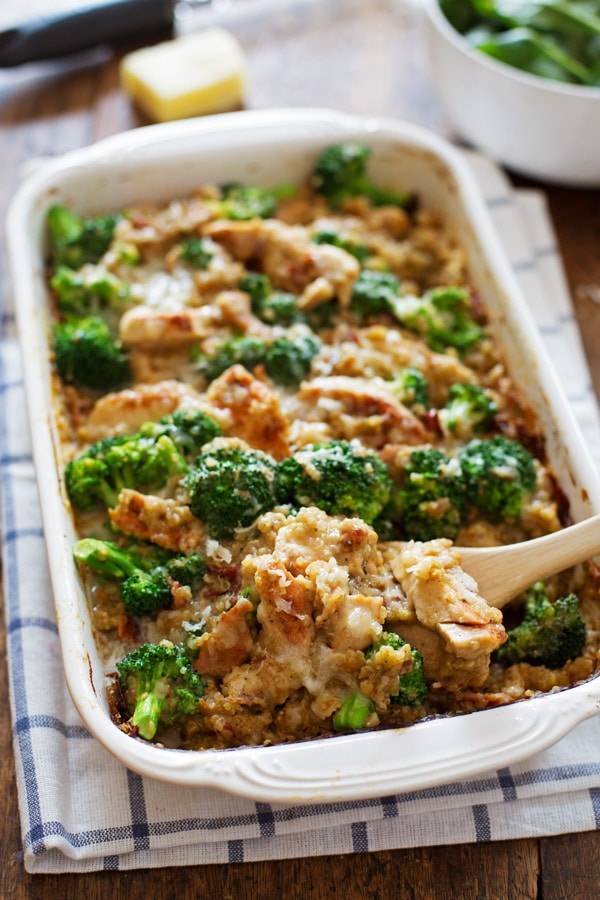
x=165, y=161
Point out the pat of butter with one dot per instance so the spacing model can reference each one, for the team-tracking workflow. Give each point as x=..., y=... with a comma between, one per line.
x=194, y=75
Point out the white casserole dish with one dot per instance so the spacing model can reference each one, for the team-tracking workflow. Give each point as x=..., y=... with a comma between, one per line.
x=165, y=161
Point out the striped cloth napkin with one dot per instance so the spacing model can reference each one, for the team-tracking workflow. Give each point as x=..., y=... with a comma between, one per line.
x=81, y=810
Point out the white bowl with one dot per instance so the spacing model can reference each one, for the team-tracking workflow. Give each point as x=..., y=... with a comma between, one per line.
x=541, y=128
x=271, y=147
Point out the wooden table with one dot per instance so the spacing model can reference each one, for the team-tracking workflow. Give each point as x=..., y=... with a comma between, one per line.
x=372, y=64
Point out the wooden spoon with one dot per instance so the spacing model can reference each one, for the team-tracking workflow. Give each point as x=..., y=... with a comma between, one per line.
x=502, y=573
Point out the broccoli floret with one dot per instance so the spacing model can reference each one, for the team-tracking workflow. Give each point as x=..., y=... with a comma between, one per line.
x=353, y=713
x=411, y=388
x=75, y=241
x=78, y=294
x=274, y=307
x=241, y=202
x=340, y=173
x=196, y=251
x=359, y=251
x=288, y=359
x=412, y=687
x=323, y=315
x=337, y=477
x=469, y=408
x=258, y=286
x=160, y=686
x=86, y=354
x=146, y=586
x=127, y=253
x=431, y=502
x=374, y=293
x=229, y=488
x=246, y=350
x=142, y=461
x=189, y=429
x=499, y=474
x=441, y=316
x=550, y=634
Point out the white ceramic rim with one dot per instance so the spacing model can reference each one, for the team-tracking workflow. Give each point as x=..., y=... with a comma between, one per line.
x=347, y=767
x=446, y=30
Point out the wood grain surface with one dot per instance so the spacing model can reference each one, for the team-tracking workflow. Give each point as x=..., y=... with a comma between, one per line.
x=369, y=61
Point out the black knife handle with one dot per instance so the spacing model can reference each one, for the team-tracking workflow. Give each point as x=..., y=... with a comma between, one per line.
x=105, y=22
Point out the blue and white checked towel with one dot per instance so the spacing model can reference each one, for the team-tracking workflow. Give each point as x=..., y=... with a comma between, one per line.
x=81, y=810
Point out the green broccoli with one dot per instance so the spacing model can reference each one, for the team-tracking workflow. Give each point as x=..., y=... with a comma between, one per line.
x=160, y=687
x=374, y=293
x=431, y=503
x=75, y=241
x=142, y=461
x=229, y=488
x=469, y=408
x=499, y=474
x=353, y=713
x=412, y=687
x=189, y=429
x=340, y=173
x=550, y=634
x=86, y=354
x=288, y=359
x=196, y=251
x=323, y=315
x=338, y=477
x=274, y=307
x=79, y=294
x=127, y=253
x=442, y=317
x=146, y=583
x=359, y=251
x=241, y=202
x=411, y=388
x=244, y=350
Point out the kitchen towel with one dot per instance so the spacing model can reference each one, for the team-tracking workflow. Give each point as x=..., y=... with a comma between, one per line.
x=82, y=811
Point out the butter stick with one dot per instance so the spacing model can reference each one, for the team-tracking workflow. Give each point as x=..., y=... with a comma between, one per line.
x=195, y=75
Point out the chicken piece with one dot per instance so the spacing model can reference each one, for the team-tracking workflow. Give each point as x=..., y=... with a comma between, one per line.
x=230, y=642
x=441, y=591
x=168, y=523
x=254, y=410
x=284, y=611
x=149, y=225
x=123, y=412
x=446, y=603
x=287, y=255
x=149, y=328
x=236, y=311
x=383, y=352
x=312, y=535
x=351, y=621
x=360, y=408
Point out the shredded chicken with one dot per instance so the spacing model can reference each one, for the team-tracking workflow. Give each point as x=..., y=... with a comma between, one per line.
x=254, y=410
x=447, y=604
x=229, y=644
x=125, y=411
x=360, y=408
x=287, y=255
x=168, y=523
x=237, y=313
x=145, y=327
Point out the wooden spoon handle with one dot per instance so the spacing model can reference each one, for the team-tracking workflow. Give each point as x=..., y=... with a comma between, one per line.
x=504, y=572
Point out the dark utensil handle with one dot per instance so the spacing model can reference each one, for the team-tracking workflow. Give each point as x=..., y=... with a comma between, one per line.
x=67, y=32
